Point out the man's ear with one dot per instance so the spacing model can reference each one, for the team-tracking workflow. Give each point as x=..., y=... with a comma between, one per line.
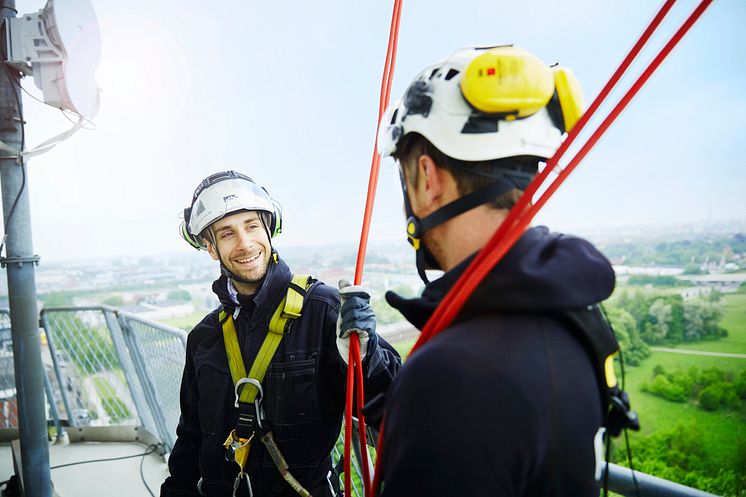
x=211, y=249
x=432, y=179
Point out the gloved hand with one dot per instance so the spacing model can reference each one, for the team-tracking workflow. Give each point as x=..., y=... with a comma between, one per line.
x=355, y=316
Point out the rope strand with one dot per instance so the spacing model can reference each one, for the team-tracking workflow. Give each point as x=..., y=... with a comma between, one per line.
x=354, y=362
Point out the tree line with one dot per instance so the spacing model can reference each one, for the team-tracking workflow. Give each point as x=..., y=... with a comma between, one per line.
x=679, y=253
x=642, y=319
x=710, y=389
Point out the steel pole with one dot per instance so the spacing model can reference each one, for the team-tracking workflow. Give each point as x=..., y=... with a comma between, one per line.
x=19, y=263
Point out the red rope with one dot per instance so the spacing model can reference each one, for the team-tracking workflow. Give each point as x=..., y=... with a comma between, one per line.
x=522, y=214
x=388, y=75
x=361, y=425
x=355, y=367
x=348, y=412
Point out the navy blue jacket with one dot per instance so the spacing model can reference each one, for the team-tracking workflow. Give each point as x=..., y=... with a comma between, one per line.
x=304, y=391
x=505, y=401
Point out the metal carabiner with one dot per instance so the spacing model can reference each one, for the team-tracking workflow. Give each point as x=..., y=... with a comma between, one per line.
x=257, y=401
x=237, y=483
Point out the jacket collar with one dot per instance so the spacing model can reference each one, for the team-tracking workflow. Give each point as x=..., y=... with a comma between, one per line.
x=542, y=272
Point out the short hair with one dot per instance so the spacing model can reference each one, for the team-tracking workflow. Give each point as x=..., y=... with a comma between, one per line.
x=469, y=175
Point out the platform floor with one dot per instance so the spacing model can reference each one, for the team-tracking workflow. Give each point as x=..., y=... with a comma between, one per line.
x=115, y=478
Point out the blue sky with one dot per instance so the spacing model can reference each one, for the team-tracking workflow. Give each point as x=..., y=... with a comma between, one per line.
x=287, y=92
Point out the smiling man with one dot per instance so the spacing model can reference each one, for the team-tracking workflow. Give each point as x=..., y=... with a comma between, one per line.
x=284, y=331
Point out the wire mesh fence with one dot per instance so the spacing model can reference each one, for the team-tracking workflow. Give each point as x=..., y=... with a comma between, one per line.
x=158, y=353
x=356, y=462
x=90, y=367
x=8, y=403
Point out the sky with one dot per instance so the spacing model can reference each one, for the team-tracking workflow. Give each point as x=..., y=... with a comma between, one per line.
x=287, y=92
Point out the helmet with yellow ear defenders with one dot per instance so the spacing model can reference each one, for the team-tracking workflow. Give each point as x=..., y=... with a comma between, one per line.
x=482, y=104
x=225, y=193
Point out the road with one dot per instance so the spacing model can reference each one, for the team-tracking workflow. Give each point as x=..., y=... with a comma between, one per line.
x=698, y=352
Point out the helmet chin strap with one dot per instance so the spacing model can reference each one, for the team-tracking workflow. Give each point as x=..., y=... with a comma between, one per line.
x=417, y=227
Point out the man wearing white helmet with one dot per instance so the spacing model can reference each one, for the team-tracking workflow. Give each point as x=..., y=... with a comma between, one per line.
x=262, y=393
x=507, y=400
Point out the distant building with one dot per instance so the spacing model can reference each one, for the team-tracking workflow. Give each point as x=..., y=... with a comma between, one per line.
x=621, y=270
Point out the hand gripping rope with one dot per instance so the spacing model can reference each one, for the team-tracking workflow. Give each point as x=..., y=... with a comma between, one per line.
x=355, y=368
x=524, y=211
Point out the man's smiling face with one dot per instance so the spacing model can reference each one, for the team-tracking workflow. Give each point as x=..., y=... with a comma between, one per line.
x=243, y=246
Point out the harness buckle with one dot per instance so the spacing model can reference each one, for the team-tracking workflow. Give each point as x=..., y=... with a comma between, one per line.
x=252, y=381
x=250, y=417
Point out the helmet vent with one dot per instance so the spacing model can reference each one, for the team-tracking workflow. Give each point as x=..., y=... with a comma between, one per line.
x=393, y=116
x=199, y=208
x=480, y=123
x=451, y=74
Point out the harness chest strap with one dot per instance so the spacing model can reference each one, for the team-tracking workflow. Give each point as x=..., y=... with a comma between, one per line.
x=289, y=308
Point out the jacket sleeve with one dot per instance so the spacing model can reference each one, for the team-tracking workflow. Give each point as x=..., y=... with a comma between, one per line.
x=183, y=463
x=380, y=365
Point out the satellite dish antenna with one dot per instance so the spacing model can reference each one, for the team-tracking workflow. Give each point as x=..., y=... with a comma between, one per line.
x=62, y=45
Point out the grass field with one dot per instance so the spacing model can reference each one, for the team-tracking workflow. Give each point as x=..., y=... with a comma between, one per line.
x=186, y=322
x=404, y=347
x=724, y=429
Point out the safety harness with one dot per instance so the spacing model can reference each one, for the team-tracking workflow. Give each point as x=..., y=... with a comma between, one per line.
x=595, y=333
x=248, y=388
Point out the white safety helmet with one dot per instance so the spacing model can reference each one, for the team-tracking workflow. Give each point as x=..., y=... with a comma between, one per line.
x=225, y=193
x=481, y=104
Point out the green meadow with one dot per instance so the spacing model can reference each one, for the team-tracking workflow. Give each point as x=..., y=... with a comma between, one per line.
x=723, y=432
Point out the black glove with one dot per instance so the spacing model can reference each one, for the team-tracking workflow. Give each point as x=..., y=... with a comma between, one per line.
x=355, y=316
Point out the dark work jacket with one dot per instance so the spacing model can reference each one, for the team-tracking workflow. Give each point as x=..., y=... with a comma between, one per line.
x=304, y=391
x=504, y=402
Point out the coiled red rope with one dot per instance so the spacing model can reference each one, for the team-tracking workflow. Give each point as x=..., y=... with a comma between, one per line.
x=355, y=367
x=524, y=211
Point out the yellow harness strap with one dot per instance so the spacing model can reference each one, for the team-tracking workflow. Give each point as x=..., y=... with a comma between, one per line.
x=289, y=308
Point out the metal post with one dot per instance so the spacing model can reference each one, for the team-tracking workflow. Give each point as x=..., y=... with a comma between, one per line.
x=56, y=364
x=118, y=335
x=19, y=262
x=53, y=409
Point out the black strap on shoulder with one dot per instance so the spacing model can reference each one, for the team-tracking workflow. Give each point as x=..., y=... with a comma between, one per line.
x=598, y=339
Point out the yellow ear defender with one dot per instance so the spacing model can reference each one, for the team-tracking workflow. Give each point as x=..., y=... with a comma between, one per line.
x=569, y=94
x=507, y=80
x=512, y=82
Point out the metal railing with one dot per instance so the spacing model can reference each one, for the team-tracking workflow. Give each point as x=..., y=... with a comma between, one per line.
x=107, y=367
x=157, y=352
x=624, y=481
x=115, y=368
